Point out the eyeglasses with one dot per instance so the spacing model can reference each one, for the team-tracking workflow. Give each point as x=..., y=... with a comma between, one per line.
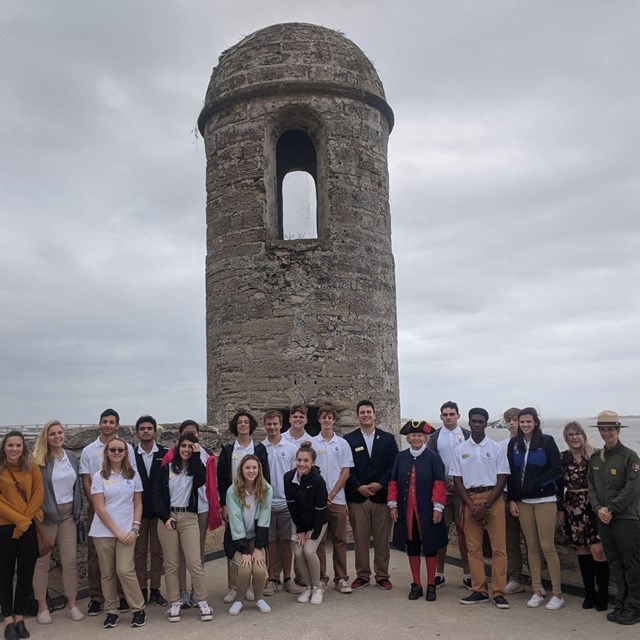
x=116, y=450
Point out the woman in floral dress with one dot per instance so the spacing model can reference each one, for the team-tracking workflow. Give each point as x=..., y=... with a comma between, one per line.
x=578, y=519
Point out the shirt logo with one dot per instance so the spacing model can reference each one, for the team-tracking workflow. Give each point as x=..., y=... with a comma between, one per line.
x=614, y=472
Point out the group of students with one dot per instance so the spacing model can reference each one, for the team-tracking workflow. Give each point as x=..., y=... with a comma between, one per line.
x=151, y=507
x=522, y=484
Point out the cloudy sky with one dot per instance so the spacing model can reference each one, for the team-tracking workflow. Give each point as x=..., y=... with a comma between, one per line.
x=514, y=172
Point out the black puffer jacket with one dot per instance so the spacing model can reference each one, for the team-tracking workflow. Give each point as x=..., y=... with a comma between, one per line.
x=307, y=501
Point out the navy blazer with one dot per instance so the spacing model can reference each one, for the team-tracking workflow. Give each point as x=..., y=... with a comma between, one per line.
x=149, y=481
x=376, y=468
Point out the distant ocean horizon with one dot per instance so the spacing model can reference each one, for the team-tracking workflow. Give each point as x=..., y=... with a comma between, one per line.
x=554, y=426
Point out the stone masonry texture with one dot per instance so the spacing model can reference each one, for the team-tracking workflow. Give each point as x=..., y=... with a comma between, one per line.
x=311, y=320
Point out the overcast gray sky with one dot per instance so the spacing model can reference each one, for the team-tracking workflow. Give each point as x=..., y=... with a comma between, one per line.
x=514, y=193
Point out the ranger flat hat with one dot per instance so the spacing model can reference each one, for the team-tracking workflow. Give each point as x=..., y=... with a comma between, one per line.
x=609, y=418
x=416, y=426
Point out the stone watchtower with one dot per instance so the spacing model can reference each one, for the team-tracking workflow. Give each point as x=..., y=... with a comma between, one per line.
x=301, y=301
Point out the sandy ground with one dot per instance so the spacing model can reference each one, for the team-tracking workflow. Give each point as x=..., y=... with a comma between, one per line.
x=370, y=613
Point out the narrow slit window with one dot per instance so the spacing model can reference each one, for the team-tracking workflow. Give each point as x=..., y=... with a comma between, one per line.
x=297, y=189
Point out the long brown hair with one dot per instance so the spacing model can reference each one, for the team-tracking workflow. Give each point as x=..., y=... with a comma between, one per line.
x=25, y=458
x=262, y=487
x=42, y=450
x=127, y=470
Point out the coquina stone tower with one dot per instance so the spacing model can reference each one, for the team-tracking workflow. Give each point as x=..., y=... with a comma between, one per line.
x=301, y=300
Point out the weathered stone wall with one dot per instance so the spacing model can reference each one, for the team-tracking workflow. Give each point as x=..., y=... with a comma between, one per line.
x=299, y=320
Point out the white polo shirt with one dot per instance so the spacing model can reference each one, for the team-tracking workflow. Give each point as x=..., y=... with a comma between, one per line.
x=147, y=458
x=282, y=458
x=331, y=458
x=63, y=479
x=118, y=502
x=295, y=441
x=239, y=453
x=93, y=454
x=479, y=464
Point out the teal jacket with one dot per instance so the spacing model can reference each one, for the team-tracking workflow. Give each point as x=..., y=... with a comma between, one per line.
x=235, y=535
x=614, y=482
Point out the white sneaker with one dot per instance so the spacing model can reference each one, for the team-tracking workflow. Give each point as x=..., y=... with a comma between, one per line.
x=75, y=614
x=249, y=595
x=305, y=596
x=317, y=595
x=513, y=586
x=206, y=612
x=230, y=596
x=343, y=587
x=44, y=617
x=555, y=603
x=262, y=606
x=535, y=601
x=235, y=608
x=173, y=613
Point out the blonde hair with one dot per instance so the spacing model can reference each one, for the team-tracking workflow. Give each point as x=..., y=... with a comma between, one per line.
x=41, y=450
x=262, y=488
x=127, y=470
x=587, y=448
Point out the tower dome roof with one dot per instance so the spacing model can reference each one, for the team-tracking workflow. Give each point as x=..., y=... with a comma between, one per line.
x=293, y=58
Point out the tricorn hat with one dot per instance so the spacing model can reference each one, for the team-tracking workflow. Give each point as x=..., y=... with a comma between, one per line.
x=416, y=426
x=609, y=418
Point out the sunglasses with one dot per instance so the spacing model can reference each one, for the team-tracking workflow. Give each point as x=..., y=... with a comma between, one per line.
x=114, y=450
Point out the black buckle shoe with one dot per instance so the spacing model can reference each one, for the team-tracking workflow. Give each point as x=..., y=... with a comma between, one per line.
x=416, y=591
x=22, y=630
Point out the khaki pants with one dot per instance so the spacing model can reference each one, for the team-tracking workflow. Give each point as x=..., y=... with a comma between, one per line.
x=149, y=543
x=203, y=523
x=538, y=522
x=93, y=567
x=337, y=529
x=64, y=534
x=369, y=519
x=116, y=561
x=307, y=559
x=514, y=546
x=254, y=574
x=474, y=533
x=186, y=539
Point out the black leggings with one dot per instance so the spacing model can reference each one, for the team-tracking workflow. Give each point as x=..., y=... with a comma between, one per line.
x=22, y=552
x=414, y=546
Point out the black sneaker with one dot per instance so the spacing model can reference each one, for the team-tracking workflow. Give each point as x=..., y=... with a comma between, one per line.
x=627, y=616
x=466, y=581
x=123, y=607
x=94, y=608
x=139, y=618
x=431, y=593
x=416, y=591
x=501, y=602
x=439, y=581
x=157, y=598
x=476, y=597
x=110, y=621
x=612, y=616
